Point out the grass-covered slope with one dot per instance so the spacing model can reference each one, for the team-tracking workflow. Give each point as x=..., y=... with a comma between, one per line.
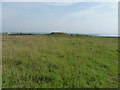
x=59, y=61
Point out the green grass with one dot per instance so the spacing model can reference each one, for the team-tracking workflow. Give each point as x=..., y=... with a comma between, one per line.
x=59, y=61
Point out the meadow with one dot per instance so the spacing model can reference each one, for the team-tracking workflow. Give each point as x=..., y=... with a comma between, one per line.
x=59, y=61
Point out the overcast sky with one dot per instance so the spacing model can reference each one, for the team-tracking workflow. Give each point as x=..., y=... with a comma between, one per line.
x=81, y=17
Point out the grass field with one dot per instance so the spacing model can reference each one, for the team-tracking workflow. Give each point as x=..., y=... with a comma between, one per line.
x=59, y=61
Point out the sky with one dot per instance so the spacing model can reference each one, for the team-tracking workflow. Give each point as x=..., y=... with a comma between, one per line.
x=71, y=17
x=0, y=17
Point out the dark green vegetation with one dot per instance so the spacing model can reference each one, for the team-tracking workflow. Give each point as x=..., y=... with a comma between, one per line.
x=59, y=61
